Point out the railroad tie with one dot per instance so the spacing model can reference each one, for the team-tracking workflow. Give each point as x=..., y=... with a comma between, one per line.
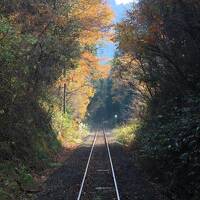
x=103, y=170
x=104, y=188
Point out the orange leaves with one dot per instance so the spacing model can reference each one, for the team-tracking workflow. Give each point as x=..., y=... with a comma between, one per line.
x=61, y=20
x=91, y=69
x=14, y=16
x=88, y=57
x=126, y=35
x=103, y=71
x=96, y=70
x=95, y=18
x=79, y=82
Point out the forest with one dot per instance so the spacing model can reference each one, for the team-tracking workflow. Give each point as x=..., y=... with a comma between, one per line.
x=45, y=47
x=54, y=88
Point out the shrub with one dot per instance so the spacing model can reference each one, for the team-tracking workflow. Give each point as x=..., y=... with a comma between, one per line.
x=125, y=134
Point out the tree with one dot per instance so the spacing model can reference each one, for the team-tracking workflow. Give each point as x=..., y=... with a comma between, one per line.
x=158, y=57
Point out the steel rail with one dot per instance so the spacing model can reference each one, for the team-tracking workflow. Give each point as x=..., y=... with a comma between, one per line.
x=88, y=163
x=111, y=165
x=86, y=169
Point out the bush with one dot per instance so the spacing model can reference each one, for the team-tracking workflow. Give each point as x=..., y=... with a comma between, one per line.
x=125, y=134
x=168, y=146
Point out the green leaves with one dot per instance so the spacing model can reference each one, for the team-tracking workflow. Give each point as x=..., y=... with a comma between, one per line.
x=5, y=27
x=26, y=180
x=31, y=39
x=8, y=56
x=126, y=134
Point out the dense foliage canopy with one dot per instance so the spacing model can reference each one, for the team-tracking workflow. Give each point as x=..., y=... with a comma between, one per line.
x=51, y=81
x=159, y=58
x=43, y=46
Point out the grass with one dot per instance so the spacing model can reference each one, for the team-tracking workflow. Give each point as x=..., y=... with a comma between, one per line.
x=125, y=134
x=14, y=179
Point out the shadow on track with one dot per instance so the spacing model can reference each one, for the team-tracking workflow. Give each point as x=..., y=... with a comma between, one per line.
x=64, y=183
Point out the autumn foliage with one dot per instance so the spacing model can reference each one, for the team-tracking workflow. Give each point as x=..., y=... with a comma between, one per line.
x=95, y=22
x=158, y=57
x=44, y=45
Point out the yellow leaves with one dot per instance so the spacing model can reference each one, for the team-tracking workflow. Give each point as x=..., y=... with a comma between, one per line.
x=89, y=37
x=61, y=20
x=88, y=57
x=93, y=13
x=14, y=16
x=95, y=18
x=89, y=69
x=127, y=59
x=126, y=35
x=96, y=70
x=79, y=82
x=103, y=71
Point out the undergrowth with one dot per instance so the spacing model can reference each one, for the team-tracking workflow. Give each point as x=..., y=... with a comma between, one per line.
x=125, y=133
x=166, y=144
x=37, y=135
x=17, y=182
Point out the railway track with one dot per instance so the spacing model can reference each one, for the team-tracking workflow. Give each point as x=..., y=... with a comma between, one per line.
x=99, y=180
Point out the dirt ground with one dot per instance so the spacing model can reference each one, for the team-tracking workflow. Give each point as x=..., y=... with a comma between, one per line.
x=64, y=183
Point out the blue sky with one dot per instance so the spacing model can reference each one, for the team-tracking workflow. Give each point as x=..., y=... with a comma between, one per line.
x=119, y=7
